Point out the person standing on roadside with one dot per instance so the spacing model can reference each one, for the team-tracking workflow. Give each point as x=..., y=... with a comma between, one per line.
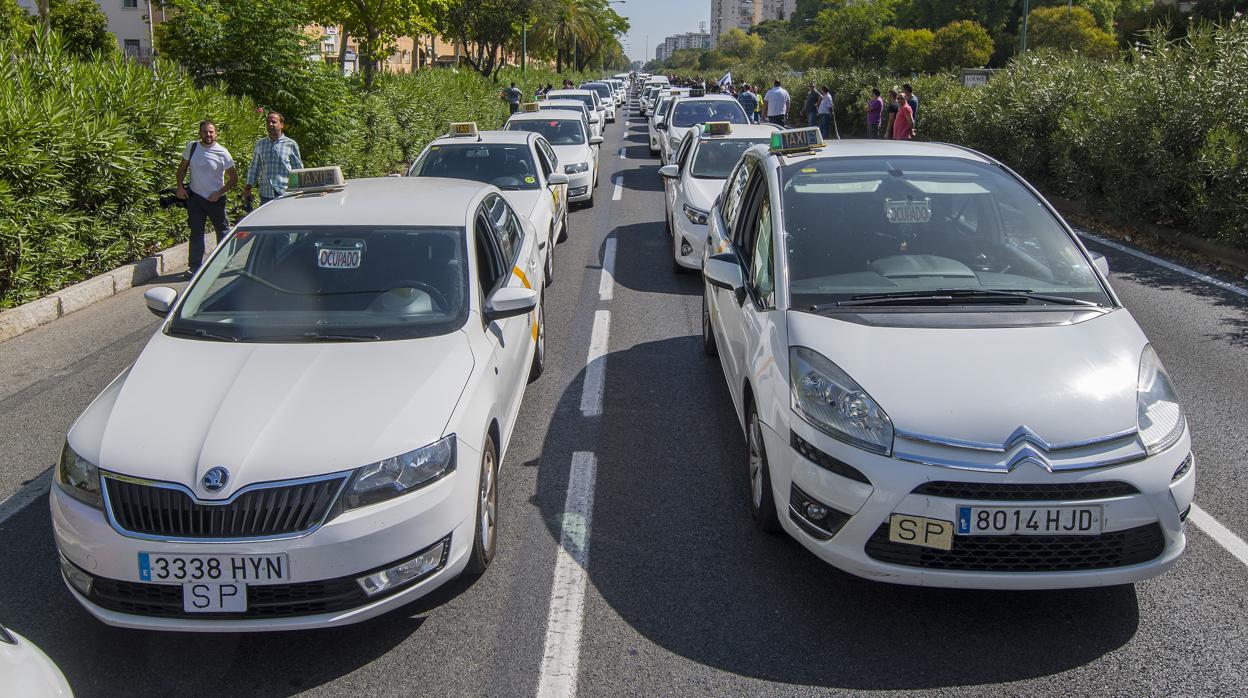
x=825, y=107
x=908, y=92
x=810, y=108
x=749, y=102
x=513, y=95
x=875, y=113
x=212, y=175
x=777, y=100
x=893, y=105
x=274, y=156
x=903, y=125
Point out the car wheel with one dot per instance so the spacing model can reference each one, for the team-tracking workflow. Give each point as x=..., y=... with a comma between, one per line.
x=708, y=335
x=589, y=203
x=539, y=354
x=762, y=501
x=485, y=540
x=563, y=231
x=667, y=219
x=550, y=261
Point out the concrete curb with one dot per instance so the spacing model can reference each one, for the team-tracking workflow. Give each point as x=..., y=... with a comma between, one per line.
x=28, y=316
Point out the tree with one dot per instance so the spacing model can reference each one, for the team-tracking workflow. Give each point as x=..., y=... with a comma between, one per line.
x=375, y=24
x=853, y=33
x=685, y=59
x=740, y=46
x=575, y=31
x=83, y=26
x=482, y=27
x=910, y=51
x=961, y=44
x=1069, y=30
x=15, y=22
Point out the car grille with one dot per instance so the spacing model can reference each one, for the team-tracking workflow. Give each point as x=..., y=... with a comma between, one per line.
x=1006, y=492
x=267, y=601
x=1025, y=553
x=262, y=512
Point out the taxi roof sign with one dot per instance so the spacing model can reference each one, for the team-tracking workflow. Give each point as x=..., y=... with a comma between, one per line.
x=717, y=128
x=461, y=129
x=530, y=106
x=797, y=140
x=313, y=179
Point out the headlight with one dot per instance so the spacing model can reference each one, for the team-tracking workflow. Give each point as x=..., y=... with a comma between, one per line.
x=393, y=477
x=79, y=478
x=577, y=167
x=696, y=215
x=832, y=401
x=1158, y=413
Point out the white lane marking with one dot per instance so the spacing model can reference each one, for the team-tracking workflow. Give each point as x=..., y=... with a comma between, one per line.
x=596, y=365
x=606, y=280
x=562, y=655
x=1219, y=533
x=1167, y=264
x=28, y=493
x=619, y=188
x=623, y=154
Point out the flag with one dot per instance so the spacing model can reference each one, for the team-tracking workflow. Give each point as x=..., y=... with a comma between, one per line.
x=726, y=80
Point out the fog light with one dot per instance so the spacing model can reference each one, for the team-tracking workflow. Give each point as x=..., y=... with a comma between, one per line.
x=425, y=562
x=77, y=578
x=819, y=520
x=816, y=512
x=685, y=248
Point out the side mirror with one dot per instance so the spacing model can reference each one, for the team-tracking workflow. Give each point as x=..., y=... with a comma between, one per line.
x=660, y=125
x=593, y=118
x=723, y=271
x=556, y=178
x=670, y=171
x=595, y=140
x=1101, y=263
x=510, y=302
x=160, y=300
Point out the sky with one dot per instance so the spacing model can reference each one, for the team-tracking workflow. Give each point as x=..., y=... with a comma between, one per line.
x=660, y=19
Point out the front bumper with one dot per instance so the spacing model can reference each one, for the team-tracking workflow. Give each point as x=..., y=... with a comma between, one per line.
x=321, y=563
x=1142, y=534
x=688, y=241
x=580, y=186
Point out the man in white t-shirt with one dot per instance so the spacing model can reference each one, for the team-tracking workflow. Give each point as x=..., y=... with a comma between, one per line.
x=777, y=104
x=212, y=175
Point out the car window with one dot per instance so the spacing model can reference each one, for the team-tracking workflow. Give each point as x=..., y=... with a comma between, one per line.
x=762, y=279
x=747, y=225
x=715, y=158
x=735, y=193
x=507, y=226
x=686, y=146
x=506, y=166
x=664, y=105
x=490, y=262
x=546, y=158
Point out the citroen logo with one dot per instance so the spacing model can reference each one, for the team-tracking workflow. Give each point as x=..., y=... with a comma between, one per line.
x=215, y=479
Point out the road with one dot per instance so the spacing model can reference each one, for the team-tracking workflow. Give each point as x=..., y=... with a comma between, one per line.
x=680, y=594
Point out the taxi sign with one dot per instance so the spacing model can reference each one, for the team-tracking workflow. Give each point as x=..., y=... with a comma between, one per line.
x=797, y=140
x=530, y=107
x=697, y=92
x=312, y=179
x=717, y=128
x=464, y=129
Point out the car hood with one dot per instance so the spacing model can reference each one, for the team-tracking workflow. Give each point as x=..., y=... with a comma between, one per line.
x=702, y=192
x=271, y=411
x=525, y=202
x=572, y=154
x=1066, y=383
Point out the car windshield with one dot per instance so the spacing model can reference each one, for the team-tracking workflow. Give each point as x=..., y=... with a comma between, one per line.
x=508, y=166
x=329, y=283
x=586, y=99
x=715, y=159
x=664, y=104
x=691, y=112
x=544, y=106
x=558, y=132
x=603, y=89
x=875, y=225
x=654, y=92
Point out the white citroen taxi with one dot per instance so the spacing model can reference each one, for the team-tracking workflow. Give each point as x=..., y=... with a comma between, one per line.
x=313, y=436
x=576, y=152
x=687, y=112
x=27, y=671
x=696, y=177
x=522, y=165
x=936, y=382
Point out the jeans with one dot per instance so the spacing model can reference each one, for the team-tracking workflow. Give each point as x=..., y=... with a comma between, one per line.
x=812, y=119
x=778, y=119
x=874, y=131
x=197, y=210
x=825, y=125
x=513, y=107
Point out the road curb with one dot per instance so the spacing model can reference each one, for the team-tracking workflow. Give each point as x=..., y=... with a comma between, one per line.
x=26, y=317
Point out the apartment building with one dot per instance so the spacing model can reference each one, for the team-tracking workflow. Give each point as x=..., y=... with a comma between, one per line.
x=131, y=21
x=727, y=15
x=694, y=40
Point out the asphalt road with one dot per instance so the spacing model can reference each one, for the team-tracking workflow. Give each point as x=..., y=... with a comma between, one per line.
x=683, y=596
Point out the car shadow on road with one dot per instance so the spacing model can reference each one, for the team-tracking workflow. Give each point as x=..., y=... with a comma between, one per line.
x=643, y=247
x=95, y=657
x=674, y=554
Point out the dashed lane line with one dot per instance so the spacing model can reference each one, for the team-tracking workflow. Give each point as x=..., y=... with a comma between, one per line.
x=618, y=194
x=606, y=280
x=596, y=365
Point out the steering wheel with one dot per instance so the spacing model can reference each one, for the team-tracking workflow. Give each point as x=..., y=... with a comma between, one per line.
x=438, y=298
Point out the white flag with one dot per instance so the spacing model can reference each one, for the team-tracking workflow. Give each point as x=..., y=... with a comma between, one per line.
x=726, y=80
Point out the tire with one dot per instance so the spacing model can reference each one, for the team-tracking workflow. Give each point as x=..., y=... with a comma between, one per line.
x=563, y=231
x=709, y=347
x=762, y=500
x=667, y=219
x=485, y=538
x=550, y=262
x=539, y=354
x=589, y=203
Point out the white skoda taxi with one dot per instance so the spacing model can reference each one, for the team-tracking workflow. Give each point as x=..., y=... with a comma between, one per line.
x=702, y=163
x=936, y=382
x=522, y=165
x=576, y=151
x=313, y=436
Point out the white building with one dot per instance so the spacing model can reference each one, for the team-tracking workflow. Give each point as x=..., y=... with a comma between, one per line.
x=128, y=20
x=727, y=15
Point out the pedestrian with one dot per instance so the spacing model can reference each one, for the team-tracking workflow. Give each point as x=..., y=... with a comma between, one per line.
x=274, y=156
x=777, y=100
x=893, y=104
x=513, y=95
x=903, y=125
x=749, y=102
x=212, y=175
x=875, y=113
x=826, y=118
x=913, y=100
x=810, y=108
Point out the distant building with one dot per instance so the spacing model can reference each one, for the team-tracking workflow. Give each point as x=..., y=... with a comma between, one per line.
x=727, y=15
x=677, y=42
x=131, y=21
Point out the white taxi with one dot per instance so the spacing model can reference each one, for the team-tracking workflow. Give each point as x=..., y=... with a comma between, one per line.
x=663, y=105
x=27, y=671
x=935, y=379
x=696, y=176
x=576, y=152
x=589, y=98
x=606, y=95
x=522, y=165
x=687, y=112
x=592, y=119
x=312, y=437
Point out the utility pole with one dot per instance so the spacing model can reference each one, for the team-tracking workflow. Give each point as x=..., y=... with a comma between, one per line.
x=44, y=18
x=1023, y=34
x=524, y=47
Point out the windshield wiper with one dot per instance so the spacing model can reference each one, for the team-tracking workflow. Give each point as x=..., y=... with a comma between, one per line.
x=315, y=337
x=201, y=334
x=950, y=296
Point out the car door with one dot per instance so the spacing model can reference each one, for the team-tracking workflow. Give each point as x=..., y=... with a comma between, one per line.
x=517, y=266
x=548, y=163
x=733, y=314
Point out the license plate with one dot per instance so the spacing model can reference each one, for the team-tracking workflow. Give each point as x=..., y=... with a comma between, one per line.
x=1029, y=521
x=177, y=568
x=921, y=531
x=200, y=597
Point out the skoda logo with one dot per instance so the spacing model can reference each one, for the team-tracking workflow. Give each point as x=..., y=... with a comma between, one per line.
x=215, y=479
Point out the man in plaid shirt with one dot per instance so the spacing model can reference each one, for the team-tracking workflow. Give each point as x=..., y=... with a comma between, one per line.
x=271, y=161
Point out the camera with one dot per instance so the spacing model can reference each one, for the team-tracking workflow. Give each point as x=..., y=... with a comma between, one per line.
x=169, y=199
